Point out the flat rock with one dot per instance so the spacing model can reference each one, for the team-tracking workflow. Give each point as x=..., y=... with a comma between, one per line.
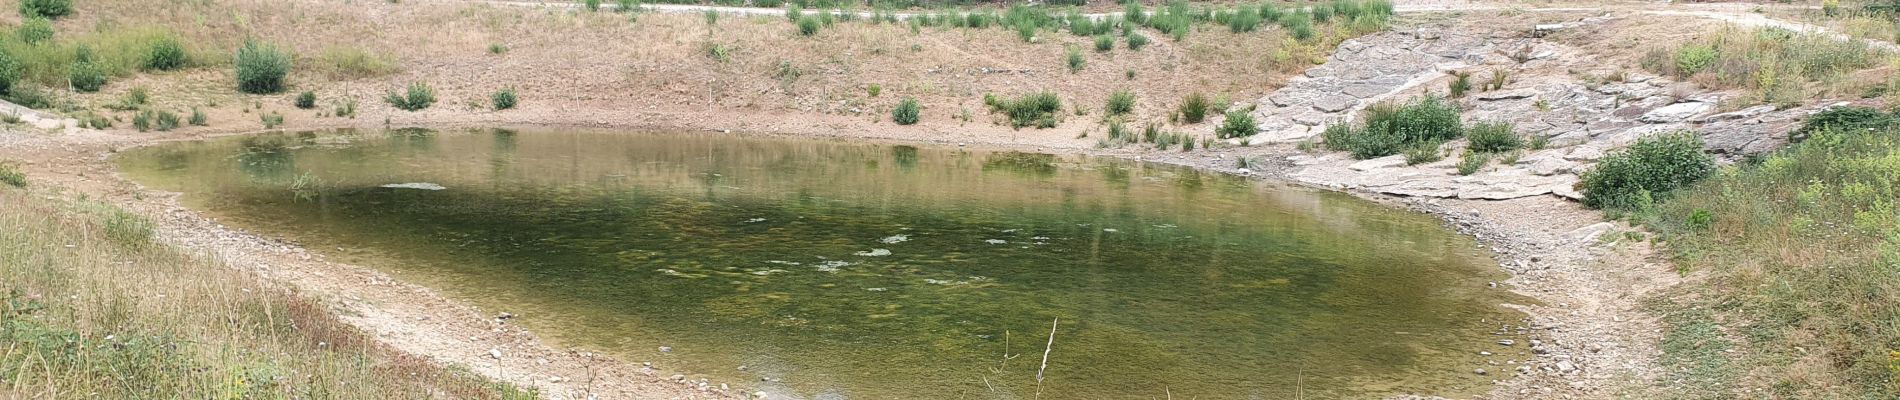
x=1676, y=112
x=1334, y=103
x=1746, y=113
x=1584, y=153
x=1378, y=163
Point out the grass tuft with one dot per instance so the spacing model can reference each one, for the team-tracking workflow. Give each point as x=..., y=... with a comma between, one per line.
x=416, y=97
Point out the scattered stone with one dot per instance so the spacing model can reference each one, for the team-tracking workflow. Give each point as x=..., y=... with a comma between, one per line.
x=504, y=315
x=1566, y=367
x=666, y=349
x=494, y=353
x=1479, y=371
x=1507, y=342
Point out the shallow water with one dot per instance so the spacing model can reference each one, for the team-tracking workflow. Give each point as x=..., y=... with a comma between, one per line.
x=849, y=270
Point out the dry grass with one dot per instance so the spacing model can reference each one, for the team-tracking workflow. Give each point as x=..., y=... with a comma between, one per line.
x=94, y=307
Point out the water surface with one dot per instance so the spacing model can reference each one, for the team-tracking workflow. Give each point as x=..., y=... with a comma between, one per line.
x=830, y=269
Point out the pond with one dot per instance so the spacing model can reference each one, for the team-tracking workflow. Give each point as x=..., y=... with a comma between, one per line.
x=831, y=269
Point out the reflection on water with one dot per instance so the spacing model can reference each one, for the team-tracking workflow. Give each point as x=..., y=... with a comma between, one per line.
x=871, y=271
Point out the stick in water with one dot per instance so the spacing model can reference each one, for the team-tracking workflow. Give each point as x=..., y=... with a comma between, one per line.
x=1045, y=354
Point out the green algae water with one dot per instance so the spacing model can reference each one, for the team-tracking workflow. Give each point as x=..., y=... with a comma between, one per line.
x=839, y=270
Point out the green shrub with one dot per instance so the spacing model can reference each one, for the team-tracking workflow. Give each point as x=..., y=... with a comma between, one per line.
x=1693, y=58
x=45, y=8
x=1460, y=83
x=808, y=26
x=1321, y=14
x=306, y=100
x=873, y=89
x=9, y=73
x=1269, y=12
x=1133, y=13
x=1635, y=176
x=130, y=230
x=1035, y=109
x=907, y=112
x=197, y=118
x=142, y=120
x=794, y=14
x=1423, y=153
x=418, y=96
x=1136, y=41
x=1389, y=129
x=35, y=30
x=1104, y=43
x=1472, y=162
x=591, y=5
x=84, y=75
x=345, y=63
x=1848, y=118
x=1300, y=24
x=497, y=48
x=1075, y=60
x=1122, y=102
x=503, y=99
x=166, y=121
x=1492, y=137
x=261, y=68
x=627, y=6
x=12, y=176
x=1238, y=123
x=1194, y=108
x=1246, y=19
x=165, y=54
x=271, y=120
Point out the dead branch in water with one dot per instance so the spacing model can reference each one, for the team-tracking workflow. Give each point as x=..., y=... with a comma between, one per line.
x=1045, y=354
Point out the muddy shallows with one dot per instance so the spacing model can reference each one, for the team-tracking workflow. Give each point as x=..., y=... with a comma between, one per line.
x=836, y=269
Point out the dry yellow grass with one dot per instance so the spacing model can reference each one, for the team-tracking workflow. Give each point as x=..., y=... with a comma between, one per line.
x=95, y=308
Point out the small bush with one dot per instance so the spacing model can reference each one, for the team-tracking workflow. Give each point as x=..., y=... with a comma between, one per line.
x=627, y=6
x=12, y=176
x=1122, y=102
x=1389, y=128
x=1194, y=108
x=808, y=26
x=418, y=96
x=142, y=120
x=591, y=5
x=503, y=99
x=261, y=68
x=1472, y=162
x=165, y=54
x=1844, y=119
x=271, y=120
x=907, y=112
x=1423, y=153
x=873, y=89
x=84, y=75
x=1075, y=60
x=1035, y=109
x=497, y=48
x=1693, y=58
x=45, y=8
x=197, y=118
x=306, y=100
x=1460, y=83
x=9, y=74
x=166, y=121
x=1635, y=176
x=1104, y=43
x=1238, y=123
x=35, y=30
x=1136, y=41
x=1492, y=137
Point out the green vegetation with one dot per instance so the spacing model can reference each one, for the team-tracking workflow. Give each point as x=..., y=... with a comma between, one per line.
x=503, y=99
x=49, y=9
x=346, y=63
x=808, y=26
x=417, y=97
x=1633, y=178
x=35, y=30
x=11, y=175
x=271, y=120
x=1104, y=43
x=1472, y=162
x=1492, y=137
x=873, y=89
x=83, y=75
x=1779, y=66
x=81, y=323
x=1460, y=83
x=497, y=48
x=1389, y=129
x=142, y=120
x=1038, y=109
x=1074, y=60
x=907, y=112
x=1798, y=251
x=165, y=54
x=166, y=121
x=1422, y=153
x=1194, y=108
x=306, y=100
x=197, y=118
x=1136, y=41
x=1122, y=102
x=1237, y=124
x=1844, y=119
x=591, y=5
x=261, y=68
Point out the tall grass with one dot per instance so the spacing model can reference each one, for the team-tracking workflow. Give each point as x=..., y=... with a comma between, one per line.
x=114, y=53
x=1777, y=65
x=1800, y=251
x=346, y=63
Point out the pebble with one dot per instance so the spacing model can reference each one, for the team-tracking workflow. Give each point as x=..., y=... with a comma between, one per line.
x=1484, y=353
x=1479, y=371
x=1507, y=342
x=666, y=349
x=495, y=353
x=678, y=378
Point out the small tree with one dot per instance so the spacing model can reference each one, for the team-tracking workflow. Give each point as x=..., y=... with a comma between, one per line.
x=261, y=68
x=907, y=112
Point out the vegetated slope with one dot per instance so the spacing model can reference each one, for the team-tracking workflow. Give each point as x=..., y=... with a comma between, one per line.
x=95, y=307
x=560, y=59
x=1799, y=250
